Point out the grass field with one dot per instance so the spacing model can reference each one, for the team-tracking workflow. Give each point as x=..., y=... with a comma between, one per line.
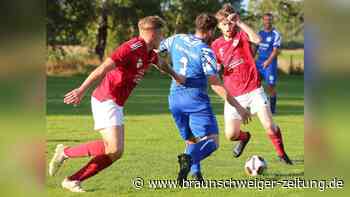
x=152, y=142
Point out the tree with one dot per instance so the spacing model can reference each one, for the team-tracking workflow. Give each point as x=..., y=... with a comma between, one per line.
x=66, y=19
x=102, y=31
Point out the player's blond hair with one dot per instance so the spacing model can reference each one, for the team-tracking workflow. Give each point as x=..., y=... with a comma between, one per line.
x=224, y=12
x=150, y=22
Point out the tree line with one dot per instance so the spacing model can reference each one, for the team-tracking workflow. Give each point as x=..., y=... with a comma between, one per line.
x=103, y=24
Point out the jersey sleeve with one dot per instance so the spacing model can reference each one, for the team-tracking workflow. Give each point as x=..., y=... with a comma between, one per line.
x=244, y=37
x=165, y=45
x=208, y=62
x=277, y=40
x=216, y=55
x=121, y=55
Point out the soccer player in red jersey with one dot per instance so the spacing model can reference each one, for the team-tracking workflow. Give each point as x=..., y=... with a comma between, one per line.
x=119, y=75
x=242, y=81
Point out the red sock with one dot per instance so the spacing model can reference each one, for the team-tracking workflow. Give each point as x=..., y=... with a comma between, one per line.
x=277, y=141
x=95, y=165
x=93, y=148
x=242, y=136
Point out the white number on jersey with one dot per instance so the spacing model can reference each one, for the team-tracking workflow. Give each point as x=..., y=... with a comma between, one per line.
x=184, y=62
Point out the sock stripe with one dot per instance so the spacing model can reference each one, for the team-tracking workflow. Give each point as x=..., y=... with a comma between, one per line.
x=207, y=142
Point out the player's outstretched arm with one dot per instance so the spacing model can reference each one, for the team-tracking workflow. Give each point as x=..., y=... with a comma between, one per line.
x=220, y=90
x=253, y=37
x=164, y=68
x=74, y=96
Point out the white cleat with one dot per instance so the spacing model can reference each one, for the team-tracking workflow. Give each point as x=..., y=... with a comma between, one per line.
x=73, y=186
x=57, y=160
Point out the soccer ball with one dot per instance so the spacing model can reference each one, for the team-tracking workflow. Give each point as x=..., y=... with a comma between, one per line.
x=255, y=165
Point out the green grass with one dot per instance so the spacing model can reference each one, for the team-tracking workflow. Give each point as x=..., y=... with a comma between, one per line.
x=152, y=142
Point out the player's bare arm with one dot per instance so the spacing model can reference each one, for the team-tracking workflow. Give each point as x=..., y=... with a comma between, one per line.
x=253, y=37
x=272, y=56
x=75, y=96
x=163, y=67
x=220, y=90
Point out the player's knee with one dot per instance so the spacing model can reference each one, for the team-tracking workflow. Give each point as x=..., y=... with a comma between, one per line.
x=232, y=135
x=115, y=152
x=216, y=146
x=270, y=128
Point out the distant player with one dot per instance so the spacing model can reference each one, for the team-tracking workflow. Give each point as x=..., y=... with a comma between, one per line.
x=241, y=79
x=267, y=51
x=119, y=75
x=189, y=103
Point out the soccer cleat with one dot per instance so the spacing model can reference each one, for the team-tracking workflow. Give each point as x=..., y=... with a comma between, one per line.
x=73, y=186
x=239, y=148
x=285, y=159
x=57, y=160
x=185, y=167
x=198, y=177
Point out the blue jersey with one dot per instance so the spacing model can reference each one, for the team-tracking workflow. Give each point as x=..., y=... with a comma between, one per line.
x=190, y=103
x=190, y=57
x=269, y=40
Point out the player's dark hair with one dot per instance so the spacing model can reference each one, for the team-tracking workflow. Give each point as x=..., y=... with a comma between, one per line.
x=269, y=14
x=205, y=22
x=224, y=12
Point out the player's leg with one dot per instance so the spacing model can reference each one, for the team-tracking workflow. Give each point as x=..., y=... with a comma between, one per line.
x=182, y=123
x=204, y=127
x=92, y=148
x=233, y=130
x=261, y=107
x=114, y=140
x=108, y=118
x=62, y=153
x=271, y=79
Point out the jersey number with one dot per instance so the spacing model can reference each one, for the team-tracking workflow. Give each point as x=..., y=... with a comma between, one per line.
x=184, y=62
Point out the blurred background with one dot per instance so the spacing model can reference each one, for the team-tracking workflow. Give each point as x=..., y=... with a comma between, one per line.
x=81, y=33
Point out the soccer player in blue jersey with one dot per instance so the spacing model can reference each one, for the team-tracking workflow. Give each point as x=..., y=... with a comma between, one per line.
x=267, y=57
x=189, y=102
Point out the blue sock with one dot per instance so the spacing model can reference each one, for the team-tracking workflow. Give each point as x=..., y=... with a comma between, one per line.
x=200, y=151
x=273, y=101
x=195, y=168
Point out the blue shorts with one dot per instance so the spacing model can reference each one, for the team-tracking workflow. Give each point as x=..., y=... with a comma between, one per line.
x=192, y=113
x=268, y=74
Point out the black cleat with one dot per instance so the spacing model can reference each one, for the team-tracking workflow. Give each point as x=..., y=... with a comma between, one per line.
x=285, y=159
x=185, y=167
x=198, y=177
x=239, y=148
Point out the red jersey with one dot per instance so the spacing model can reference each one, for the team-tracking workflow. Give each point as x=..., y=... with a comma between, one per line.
x=131, y=61
x=240, y=73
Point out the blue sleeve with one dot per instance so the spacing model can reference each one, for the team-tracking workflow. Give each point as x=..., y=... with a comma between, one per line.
x=277, y=40
x=165, y=45
x=208, y=62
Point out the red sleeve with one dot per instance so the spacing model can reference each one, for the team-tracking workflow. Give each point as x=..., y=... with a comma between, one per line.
x=121, y=55
x=247, y=48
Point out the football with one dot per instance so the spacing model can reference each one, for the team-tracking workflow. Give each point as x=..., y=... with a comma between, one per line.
x=255, y=165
